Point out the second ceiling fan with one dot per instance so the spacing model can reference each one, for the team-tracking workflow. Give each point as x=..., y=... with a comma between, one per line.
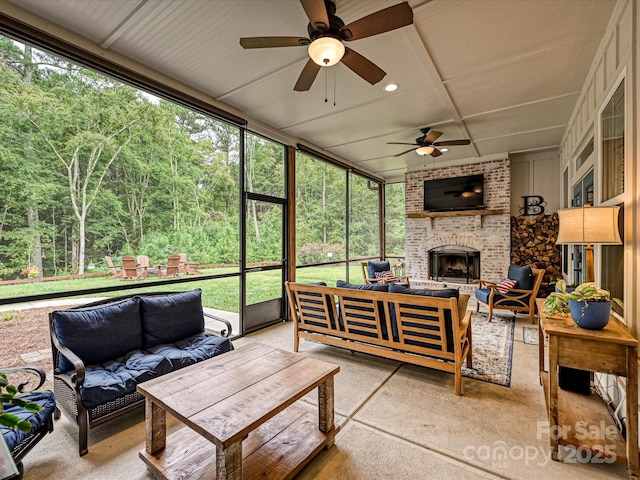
x=427, y=144
x=327, y=32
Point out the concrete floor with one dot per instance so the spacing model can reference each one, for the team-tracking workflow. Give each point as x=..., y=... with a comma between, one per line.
x=398, y=422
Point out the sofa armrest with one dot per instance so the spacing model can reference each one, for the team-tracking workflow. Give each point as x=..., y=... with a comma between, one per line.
x=224, y=333
x=485, y=283
x=78, y=365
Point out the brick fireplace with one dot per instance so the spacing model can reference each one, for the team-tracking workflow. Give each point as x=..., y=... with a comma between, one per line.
x=482, y=237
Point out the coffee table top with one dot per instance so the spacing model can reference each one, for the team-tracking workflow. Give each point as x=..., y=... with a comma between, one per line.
x=226, y=397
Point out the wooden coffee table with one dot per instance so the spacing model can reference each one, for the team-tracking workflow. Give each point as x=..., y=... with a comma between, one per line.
x=240, y=418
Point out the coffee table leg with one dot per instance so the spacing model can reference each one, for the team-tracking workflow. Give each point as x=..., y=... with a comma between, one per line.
x=325, y=406
x=156, y=422
x=229, y=462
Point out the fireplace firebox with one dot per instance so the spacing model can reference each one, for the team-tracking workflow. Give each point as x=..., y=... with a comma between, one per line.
x=454, y=263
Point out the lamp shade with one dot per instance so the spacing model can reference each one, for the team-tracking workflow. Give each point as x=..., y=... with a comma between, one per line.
x=425, y=150
x=585, y=225
x=326, y=51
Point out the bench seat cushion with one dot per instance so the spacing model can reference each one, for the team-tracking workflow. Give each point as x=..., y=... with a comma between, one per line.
x=14, y=437
x=113, y=379
x=500, y=300
x=192, y=350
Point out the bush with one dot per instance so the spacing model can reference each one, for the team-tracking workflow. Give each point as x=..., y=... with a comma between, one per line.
x=312, y=253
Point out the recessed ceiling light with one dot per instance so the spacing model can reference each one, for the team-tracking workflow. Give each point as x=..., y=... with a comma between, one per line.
x=391, y=87
x=444, y=149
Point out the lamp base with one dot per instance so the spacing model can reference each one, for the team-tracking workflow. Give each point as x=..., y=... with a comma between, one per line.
x=574, y=380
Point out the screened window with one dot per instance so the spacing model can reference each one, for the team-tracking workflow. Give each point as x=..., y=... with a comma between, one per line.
x=613, y=146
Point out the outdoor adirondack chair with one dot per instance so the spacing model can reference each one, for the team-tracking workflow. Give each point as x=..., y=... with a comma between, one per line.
x=192, y=267
x=132, y=271
x=182, y=267
x=115, y=271
x=172, y=268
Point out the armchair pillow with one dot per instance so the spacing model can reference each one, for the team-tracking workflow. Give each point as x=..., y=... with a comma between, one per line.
x=506, y=286
x=373, y=267
x=523, y=275
x=386, y=274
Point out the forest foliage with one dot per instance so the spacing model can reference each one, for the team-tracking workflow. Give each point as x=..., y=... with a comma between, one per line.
x=93, y=167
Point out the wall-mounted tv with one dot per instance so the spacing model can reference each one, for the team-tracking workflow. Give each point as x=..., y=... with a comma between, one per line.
x=458, y=193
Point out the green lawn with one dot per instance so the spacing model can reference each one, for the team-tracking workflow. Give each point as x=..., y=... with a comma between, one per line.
x=221, y=293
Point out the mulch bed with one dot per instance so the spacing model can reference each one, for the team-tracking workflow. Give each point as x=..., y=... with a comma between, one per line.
x=25, y=331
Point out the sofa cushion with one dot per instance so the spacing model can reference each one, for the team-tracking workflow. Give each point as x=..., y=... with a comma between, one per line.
x=100, y=332
x=426, y=292
x=13, y=437
x=523, y=275
x=427, y=332
x=171, y=317
x=113, y=379
x=191, y=350
x=376, y=287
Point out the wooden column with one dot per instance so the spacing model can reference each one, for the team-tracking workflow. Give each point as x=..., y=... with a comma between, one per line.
x=291, y=210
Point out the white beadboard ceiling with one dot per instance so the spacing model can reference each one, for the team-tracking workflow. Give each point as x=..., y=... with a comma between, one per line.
x=504, y=73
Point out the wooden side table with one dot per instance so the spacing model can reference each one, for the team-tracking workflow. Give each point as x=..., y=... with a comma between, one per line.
x=583, y=421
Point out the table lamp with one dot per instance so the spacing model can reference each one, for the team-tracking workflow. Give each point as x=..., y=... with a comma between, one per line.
x=588, y=226
x=585, y=226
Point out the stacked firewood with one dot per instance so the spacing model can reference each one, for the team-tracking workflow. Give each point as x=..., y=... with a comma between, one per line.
x=533, y=243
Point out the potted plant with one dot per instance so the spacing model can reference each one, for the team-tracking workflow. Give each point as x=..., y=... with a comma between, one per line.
x=589, y=305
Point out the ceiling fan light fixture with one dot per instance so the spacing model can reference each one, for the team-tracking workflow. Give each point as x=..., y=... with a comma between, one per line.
x=425, y=150
x=326, y=51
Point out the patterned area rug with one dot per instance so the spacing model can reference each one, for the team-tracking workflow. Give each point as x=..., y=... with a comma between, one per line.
x=492, y=349
x=530, y=335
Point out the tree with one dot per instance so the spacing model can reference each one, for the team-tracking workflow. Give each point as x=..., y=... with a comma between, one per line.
x=85, y=134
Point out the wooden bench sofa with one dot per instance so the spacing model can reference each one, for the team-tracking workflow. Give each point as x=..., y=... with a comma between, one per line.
x=431, y=328
x=103, y=350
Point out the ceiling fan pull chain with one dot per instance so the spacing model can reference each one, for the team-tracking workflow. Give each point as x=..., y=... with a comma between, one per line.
x=325, y=85
x=334, y=87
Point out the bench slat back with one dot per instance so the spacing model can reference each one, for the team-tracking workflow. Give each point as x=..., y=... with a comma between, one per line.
x=417, y=324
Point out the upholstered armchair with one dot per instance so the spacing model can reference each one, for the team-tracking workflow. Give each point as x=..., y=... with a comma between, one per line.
x=381, y=273
x=516, y=293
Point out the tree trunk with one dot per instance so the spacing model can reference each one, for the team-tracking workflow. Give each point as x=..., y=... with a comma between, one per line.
x=325, y=234
x=35, y=254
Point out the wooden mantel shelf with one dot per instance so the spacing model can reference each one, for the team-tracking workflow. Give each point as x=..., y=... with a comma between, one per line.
x=456, y=213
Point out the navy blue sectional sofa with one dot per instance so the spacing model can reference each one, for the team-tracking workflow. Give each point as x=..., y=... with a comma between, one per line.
x=103, y=350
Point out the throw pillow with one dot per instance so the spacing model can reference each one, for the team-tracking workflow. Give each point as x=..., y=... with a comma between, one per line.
x=373, y=267
x=386, y=274
x=506, y=286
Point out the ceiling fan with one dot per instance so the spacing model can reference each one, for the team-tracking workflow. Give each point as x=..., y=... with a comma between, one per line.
x=327, y=32
x=427, y=144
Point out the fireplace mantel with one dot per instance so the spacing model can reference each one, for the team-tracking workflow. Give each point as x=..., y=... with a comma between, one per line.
x=456, y=213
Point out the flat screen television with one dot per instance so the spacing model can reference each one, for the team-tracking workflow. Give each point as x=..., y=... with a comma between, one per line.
x=457, y=193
